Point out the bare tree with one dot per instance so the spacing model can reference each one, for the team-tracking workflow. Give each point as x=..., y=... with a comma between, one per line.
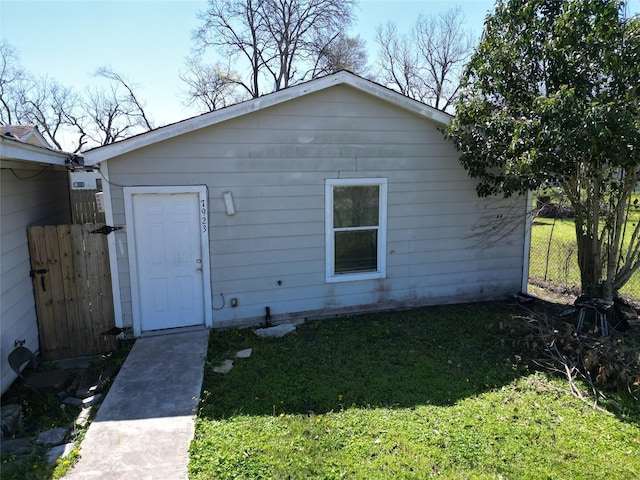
x=277, y=39
x=108, y=113
x=107, y=116
x=236, y=29
x=295, y=25
x=343, y=53
x=27, y=100
x=398, y=61
x=426, y=64
x=12, y=78
x=113, y=112
x=49, y=105
x=133, y=105
x=444, y=47
x=104, y=115
x=77, y=121
x=209, y=87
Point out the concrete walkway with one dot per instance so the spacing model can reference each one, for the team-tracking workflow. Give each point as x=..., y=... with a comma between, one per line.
x=144, y=427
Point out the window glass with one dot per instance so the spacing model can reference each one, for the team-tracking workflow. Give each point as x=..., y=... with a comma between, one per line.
x=356, y=228
x=356, y=251
x=356, y=206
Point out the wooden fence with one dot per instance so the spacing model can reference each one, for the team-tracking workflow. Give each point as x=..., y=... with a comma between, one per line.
x=72, y=285
x=84, y=207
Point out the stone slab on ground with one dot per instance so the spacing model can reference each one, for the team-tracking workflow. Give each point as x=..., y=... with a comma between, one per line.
x=74, y=401
x=54, y=436
x=277, y=331
x=59, y=451
x=83, y=417
x=17, y=446
x=224, y=368
x=11, y=415
x=246, y=353
x=92, y=400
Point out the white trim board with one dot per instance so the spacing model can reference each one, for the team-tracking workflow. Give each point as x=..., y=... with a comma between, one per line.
x=201, y=190
x=381, y=271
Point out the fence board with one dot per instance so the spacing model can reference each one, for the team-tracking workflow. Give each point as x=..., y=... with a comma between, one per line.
x=41, y=283
x=84, y=329
x=98, y=281
x=74, y=304
x=57, y=293
x=84, y=207
x=68, y=283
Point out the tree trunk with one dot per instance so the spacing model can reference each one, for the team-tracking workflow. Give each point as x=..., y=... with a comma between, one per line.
x=589, y=260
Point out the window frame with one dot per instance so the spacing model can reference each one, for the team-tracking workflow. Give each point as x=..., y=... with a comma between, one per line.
x=330, y=275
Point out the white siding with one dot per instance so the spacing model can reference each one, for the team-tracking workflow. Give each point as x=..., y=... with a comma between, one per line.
x=275, y=161
x=38, y=197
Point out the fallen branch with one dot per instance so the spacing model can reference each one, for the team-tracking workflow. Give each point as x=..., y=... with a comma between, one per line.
x=602, y=362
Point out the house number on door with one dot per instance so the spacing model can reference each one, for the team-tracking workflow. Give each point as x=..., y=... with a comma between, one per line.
x=203, y=215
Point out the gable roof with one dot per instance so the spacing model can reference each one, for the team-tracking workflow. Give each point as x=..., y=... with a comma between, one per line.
x=25, y=133
x=102, y=153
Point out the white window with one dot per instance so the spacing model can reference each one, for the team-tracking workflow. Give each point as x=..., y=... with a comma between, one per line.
x=356, y=223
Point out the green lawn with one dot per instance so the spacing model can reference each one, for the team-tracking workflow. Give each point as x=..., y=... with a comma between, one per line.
x=442, y=391
x=556, y=240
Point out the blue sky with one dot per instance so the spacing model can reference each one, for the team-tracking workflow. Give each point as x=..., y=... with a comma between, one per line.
x=148, y=40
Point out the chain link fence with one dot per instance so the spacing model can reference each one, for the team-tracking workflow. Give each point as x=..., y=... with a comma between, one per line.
x=553, y=261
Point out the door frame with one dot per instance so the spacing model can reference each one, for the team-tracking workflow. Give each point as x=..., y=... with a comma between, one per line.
x=136, y=304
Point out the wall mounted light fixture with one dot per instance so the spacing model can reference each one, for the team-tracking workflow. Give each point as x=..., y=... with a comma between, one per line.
x=228, y=203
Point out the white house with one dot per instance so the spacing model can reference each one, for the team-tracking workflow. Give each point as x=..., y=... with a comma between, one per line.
x=34, y=190
x=333, y=196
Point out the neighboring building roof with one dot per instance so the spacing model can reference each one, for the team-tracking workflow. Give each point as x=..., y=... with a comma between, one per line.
x=25, y=133
x=15, y=150
x=102, y=153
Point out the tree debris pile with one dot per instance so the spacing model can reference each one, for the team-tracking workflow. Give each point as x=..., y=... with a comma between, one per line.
x=611, y=362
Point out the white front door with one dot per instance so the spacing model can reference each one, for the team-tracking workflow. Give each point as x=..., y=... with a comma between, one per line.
x=168, y=256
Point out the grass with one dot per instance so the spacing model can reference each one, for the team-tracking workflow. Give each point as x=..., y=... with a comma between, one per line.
x=442, y=391
x=556, y=239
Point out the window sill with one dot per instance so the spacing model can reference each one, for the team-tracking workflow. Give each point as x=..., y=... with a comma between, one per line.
x=353, y=277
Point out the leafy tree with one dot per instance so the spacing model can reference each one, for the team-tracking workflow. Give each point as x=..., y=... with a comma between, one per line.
x=552, y=95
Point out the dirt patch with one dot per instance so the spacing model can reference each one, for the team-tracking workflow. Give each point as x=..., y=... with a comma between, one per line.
x=568, y=295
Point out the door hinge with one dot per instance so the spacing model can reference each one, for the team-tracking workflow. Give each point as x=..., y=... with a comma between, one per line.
x=40, y=272
x=106, y=230
x=33, y=273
